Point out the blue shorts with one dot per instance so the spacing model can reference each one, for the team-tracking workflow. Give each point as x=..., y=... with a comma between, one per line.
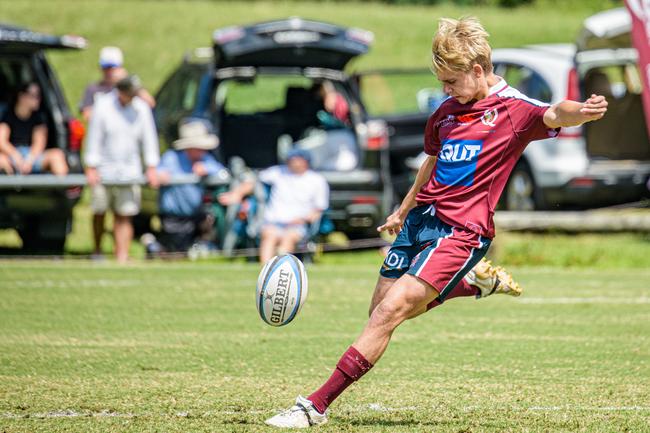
x=433, y=251
x=301, y=229
x=37, y=165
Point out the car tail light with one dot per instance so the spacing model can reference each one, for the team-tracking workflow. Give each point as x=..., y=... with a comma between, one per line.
x=365, y=199
x=582, y=182
x=573, y=90
x=76, y=133
x=572, y=94
x=377, y=135
x=228, y=34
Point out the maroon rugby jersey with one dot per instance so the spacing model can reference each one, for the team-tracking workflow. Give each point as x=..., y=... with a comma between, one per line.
x=477, y=146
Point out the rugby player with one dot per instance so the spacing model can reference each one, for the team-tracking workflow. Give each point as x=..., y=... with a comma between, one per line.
x=444, y=225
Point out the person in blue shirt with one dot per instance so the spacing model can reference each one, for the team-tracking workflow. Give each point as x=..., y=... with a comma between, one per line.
x=180, y=206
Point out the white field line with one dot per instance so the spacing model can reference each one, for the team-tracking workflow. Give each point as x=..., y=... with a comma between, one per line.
x=372, y=407
x=587, y=300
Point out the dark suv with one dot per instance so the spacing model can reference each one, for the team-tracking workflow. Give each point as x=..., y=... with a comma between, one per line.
x=42, y=215
x=256, y=86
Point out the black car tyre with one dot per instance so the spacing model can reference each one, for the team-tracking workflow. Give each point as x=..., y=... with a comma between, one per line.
x=522, y=193
x=35, y=243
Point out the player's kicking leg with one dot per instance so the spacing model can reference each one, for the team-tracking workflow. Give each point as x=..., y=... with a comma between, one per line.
x=406, y=297
x=484, y=280
x=492, y=280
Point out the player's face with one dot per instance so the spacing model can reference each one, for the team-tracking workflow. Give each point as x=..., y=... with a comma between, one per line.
x=463, y=86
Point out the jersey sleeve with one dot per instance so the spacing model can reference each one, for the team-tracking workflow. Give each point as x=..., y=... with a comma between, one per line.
x=528, y=119
x=431, y=139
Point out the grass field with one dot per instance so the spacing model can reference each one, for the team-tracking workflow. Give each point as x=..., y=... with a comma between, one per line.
x=178, y=347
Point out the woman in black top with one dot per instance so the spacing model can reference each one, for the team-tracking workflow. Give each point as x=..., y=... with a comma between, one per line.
x=23, y=137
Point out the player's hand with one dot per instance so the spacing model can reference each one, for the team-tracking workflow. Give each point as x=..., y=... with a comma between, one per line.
x=393, y=223
x=594, y=107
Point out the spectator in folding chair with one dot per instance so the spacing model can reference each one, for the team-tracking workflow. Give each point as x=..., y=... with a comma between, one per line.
x=184, y=219
x=298, y=198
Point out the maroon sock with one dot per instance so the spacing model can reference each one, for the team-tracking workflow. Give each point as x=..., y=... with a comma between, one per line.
x=461, y=289
x=349, y=369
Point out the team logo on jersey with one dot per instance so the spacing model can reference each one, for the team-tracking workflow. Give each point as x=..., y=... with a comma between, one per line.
x=465, y=119
x=460, y=120
x=457, y=161
x=489, y=117
x=450, y=120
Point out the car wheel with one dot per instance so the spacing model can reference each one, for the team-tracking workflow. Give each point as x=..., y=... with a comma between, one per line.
x=521, y=192
x=35, y=243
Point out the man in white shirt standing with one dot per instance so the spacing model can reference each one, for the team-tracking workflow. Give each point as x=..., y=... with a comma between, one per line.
x=121, y=128
x=298, y=197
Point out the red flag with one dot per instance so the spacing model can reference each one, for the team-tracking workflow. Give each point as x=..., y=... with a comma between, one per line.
x=640, y=14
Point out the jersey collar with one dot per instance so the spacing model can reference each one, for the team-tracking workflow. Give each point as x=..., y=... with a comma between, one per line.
x=498, y=87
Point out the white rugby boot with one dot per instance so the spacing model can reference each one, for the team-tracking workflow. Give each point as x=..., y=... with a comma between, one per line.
x=301, y=415
x=492, y=279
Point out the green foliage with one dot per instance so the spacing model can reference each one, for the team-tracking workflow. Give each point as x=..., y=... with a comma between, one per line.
x=601, y=251
x=178, y=347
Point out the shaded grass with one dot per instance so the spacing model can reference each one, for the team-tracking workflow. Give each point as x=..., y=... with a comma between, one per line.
x=179, y=347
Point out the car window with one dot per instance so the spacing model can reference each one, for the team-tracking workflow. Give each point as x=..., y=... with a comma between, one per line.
x=180, y=91
x=264, y=93
x=613, y=81
x=395, y=92
x=527, y=81
x=13, y=72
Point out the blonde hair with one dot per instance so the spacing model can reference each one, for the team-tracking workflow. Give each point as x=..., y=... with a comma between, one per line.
x=460, y=44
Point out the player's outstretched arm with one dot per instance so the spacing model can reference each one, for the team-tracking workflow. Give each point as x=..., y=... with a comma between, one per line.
x=395, y=220
x=573, y=113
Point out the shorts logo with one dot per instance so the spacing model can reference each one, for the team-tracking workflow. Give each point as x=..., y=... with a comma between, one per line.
x=489, y=117
x=393, y=261
x=457, y=160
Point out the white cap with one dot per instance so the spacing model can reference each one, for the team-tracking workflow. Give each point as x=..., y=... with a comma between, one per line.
x=110, y=57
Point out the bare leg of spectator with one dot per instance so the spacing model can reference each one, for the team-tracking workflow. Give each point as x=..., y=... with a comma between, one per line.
x=5, y=165
x=98, y=232
x=54, y=161
x=123, y=234
x=289, y=241
x=270, y=240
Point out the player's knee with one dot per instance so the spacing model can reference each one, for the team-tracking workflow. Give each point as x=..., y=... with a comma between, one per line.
x=389, y=313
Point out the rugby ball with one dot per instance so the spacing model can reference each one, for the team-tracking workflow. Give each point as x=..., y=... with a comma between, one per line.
x=281, y=289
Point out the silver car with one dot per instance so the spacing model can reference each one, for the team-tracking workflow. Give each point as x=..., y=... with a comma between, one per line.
x=600, y=163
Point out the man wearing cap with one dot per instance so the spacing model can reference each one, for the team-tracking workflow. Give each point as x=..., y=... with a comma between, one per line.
x=111, y=62
x=121, y=129
x=298, y=197
x=180, y=206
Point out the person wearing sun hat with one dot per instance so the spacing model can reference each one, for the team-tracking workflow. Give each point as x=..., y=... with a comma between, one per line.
x=180, y=206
